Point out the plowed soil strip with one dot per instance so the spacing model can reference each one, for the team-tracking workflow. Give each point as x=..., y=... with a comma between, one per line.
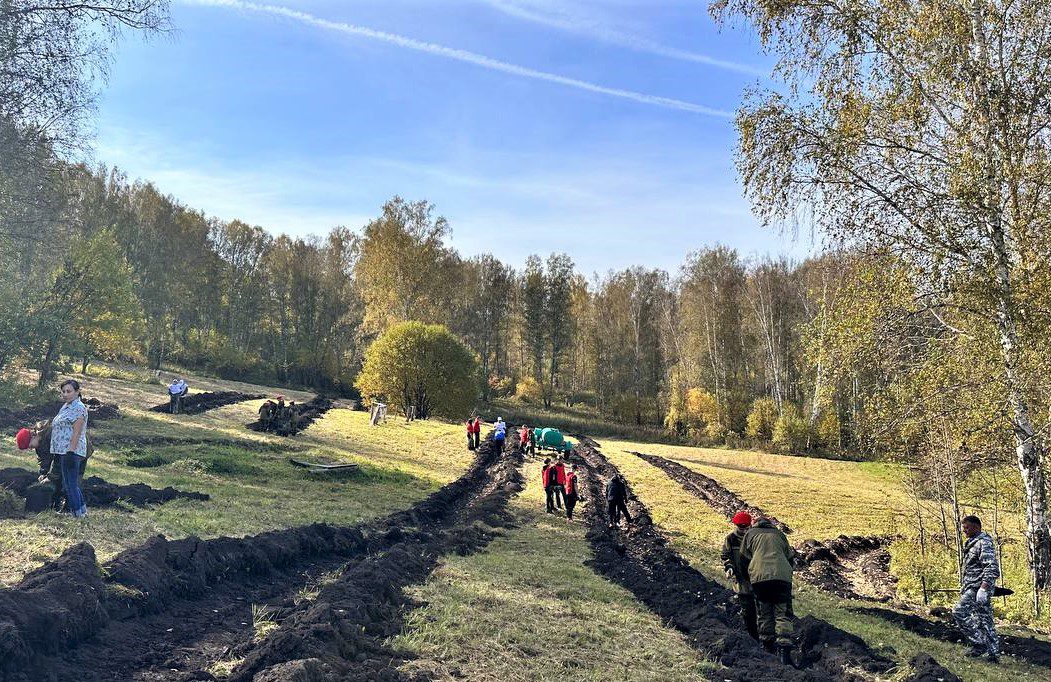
x=855, y=567
x=99, y=492
x=167, y=609
x=341, y=634
x=16, y=419
x=1032, y=650
x=202, y=402
x=640, y=560
x=711, y=491
x=306, y=414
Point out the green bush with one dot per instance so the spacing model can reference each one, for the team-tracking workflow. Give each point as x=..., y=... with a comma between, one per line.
x=761, y=419
x=422, y=365
x=790, y=430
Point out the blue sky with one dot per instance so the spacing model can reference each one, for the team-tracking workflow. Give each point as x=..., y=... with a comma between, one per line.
x=602, y=128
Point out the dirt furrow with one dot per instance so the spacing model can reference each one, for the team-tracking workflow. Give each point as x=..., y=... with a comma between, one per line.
x=849, y=567
x=306, y=414
x=167, y=609
x=16, y=419
x=202, y=402
x=640, y=560
x=1032, y=650
x=711, y=491
x=97, y=491
x=341, y=635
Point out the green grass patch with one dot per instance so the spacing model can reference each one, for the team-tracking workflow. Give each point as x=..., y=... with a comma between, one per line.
x=527, y=608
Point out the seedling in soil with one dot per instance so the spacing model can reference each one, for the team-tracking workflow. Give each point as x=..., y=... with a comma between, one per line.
x=263, y=622
x=312, y=590
x=224, y=668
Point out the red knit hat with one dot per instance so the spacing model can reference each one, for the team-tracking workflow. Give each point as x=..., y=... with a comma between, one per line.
x=22, y=439
x=742, y=518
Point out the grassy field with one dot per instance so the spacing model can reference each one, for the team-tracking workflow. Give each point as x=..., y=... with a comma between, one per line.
x=252, y=485
x=849, y=498
x=529, y=609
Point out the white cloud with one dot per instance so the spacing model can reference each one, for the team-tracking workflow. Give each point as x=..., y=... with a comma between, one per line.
x=563, y=19
x=464, y=56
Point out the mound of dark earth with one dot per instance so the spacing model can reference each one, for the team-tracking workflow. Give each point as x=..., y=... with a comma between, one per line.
x=16, y=419
x=1032, y=650
x=856, y=567
x=306, y=414
x=168, y=610
x=97, y=492
x=718, y=497
x=202, y=402
x=850, y=567
x=640, y=560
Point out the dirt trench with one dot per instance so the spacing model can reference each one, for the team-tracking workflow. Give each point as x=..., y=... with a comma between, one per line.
x=849, y=567
x=640, y=560
x=202, y=402
x=167, y=610
x=1030, y=649
x=16, y=419
x=306, y=414
x=97, y=491
x=718, y=497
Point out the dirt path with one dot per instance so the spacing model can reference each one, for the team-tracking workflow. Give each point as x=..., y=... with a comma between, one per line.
x=854, y=567
x=640, y=560
x=202, y=402
x=12, y=420
x=167, y=610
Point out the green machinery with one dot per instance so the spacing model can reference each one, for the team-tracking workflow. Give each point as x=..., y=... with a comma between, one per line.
x=551, y=439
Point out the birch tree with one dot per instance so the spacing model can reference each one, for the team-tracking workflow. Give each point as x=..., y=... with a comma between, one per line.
x=923, y=128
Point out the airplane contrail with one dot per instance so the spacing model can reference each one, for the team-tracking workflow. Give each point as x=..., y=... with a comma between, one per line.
x=463, y=56
x=614, y=37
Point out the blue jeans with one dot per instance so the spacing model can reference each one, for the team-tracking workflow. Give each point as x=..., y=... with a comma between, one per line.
x=71, y=483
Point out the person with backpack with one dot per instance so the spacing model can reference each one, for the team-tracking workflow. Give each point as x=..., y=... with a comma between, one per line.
x=767, y=556
x=560, y=481
x=617, y=500
x=499, y=435
x=547, y=477
x=572, y=492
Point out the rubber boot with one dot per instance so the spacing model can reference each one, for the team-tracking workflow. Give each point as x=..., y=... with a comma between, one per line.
x=784, y=655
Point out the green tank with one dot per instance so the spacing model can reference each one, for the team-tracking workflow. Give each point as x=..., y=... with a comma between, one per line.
x=552, y=439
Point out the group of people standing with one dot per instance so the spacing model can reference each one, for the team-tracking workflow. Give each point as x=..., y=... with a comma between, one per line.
x=561, y=487
x=62, y=449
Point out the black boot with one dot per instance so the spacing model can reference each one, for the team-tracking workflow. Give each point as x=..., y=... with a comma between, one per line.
x=784, y=655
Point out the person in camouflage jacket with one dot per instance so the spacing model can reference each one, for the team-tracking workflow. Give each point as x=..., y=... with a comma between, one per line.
x=974, y=612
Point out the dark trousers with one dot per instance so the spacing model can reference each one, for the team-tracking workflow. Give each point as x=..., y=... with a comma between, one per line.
x=175, y=406
x=749, y=615
x=71, y=483
x=773, y=604
x=498, y=443
x=550, y=492
x=616, y=508
x=477, y=438
x=470, y=441
x=571, y=501
x=560, y=494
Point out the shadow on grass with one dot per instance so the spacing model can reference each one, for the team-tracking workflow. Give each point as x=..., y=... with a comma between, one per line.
x=1030, y=649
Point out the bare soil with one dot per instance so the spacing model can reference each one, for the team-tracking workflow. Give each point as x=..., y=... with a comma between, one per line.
x=202, y=402
x=169, y=609
x=640, y=559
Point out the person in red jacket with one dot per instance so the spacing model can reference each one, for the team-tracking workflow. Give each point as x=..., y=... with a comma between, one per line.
x=560, y=481
x=470, y=433
x=572, y=492
x=523, y=439
x=547, y=476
